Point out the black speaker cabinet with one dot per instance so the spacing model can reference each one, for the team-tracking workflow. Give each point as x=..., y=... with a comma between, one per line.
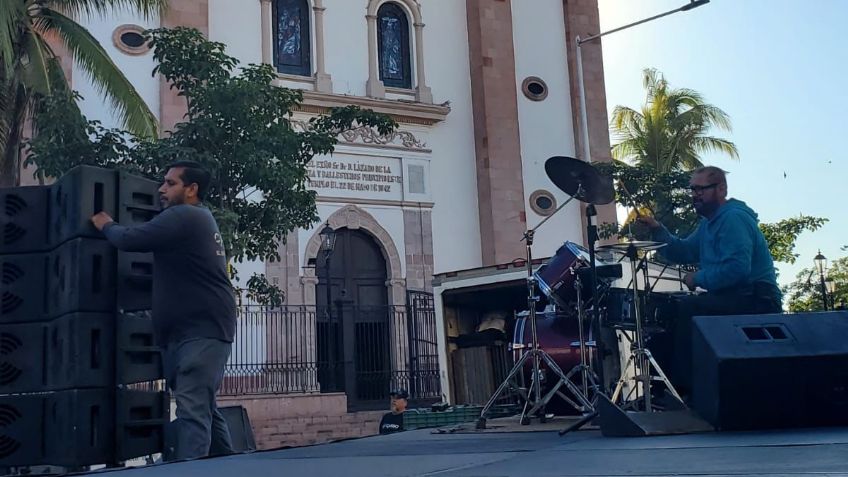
x=24, y=219
x=82, y=277
x=85, y=191
x=81, y=427
x=771, y=371
x=75, y=197
x=80, y=350
x=24, y=293
x=241, y=432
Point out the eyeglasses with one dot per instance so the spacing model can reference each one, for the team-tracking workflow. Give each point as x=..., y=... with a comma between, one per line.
x=700, y=189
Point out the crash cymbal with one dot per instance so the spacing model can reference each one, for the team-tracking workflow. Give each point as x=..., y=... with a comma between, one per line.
x=637, y=244
x=580, y=180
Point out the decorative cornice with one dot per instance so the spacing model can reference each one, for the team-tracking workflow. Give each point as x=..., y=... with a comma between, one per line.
x=371, y=137
x=402, y=111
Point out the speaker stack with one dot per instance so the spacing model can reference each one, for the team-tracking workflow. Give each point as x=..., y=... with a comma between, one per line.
x=75, y=326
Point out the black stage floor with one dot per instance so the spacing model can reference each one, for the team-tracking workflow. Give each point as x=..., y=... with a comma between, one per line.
x=543, y=453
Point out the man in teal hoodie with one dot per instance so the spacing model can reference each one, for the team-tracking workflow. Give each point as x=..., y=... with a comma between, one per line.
x=735, y=266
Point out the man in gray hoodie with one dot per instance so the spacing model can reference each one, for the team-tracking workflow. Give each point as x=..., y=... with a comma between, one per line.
x=194, y=312
x=735, y=266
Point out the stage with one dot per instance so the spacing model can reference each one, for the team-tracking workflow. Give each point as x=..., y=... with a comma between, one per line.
x=538, y=452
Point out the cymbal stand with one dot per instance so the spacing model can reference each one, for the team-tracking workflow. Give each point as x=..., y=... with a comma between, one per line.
x=640, y=356
x=533, y=399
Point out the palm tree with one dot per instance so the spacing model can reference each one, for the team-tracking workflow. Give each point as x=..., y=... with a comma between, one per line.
x=30, y=71
x=671, y=131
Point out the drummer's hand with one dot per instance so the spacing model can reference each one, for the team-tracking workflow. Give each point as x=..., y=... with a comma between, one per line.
x=689, y=280
x=648, y=221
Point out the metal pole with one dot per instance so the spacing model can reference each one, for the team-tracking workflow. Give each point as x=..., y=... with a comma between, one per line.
x=823, y=290
x=584, y=120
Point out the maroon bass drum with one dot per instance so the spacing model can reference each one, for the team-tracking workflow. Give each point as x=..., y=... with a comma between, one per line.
x=559, y=337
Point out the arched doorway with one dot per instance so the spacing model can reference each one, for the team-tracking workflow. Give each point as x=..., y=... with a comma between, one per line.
x=353, y=333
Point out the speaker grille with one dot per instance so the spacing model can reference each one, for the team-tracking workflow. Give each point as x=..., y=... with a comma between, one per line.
x=8, y=416
x=9, y=301
x=9, y=373
x=13, y=205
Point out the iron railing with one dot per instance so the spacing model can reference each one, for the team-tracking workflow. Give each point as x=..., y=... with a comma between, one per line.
x=363, y=351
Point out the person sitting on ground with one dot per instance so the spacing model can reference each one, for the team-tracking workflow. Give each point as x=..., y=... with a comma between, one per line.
x=393, y=421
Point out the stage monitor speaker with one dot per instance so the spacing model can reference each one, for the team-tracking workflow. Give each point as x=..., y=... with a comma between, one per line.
x=80, y=350
x=615, y=422
x=771, y=371
x=23, y=219
x=81, y=427
x=241, y=431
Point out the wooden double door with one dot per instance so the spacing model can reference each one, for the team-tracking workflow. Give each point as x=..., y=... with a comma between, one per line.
x=354, y=331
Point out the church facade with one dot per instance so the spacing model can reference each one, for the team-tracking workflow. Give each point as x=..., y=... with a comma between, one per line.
x=484, y=92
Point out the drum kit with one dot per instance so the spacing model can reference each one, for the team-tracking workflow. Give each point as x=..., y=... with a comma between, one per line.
x=574, y=281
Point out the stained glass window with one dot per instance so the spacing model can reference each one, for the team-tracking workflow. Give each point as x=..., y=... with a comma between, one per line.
x=393, y=41
x=291, y=37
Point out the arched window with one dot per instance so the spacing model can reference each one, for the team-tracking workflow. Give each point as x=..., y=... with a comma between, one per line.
x=291, y=37
x=393, y=46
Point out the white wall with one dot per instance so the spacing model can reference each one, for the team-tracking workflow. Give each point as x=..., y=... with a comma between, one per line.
x=138, y=69
x=456, y=223
x=546, y=127
x=238, y=25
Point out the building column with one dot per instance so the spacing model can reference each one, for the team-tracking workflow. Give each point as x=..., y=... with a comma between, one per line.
x=374, y=88
x=582, y=18
x=267, y=32
x=494, y=96
x=422, y=91
x=323, y=81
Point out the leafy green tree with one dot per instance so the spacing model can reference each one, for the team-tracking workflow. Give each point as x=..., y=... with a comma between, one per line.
x=238, y=124
x=30, y=70
x=805, y=293
x=672, y=130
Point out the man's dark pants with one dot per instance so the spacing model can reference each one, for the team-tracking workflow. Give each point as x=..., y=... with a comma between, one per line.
x=194, y=370
x=673, y=349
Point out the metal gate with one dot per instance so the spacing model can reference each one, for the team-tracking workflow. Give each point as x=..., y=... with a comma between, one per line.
x=423, y=353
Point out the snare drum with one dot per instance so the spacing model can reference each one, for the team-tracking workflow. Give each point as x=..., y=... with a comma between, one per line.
x=556, y=278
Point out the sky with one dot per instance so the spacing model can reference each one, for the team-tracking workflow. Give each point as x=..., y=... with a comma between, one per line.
x=778, y=68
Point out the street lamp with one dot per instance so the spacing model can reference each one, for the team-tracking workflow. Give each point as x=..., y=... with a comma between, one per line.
x=328, y=244
x=821, y=267
x=584, y=120
x=830, y=283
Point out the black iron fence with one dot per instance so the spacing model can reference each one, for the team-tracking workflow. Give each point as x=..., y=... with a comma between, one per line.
x=362, y=351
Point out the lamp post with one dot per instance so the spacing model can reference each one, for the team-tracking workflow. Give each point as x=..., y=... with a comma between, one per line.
x=821, y=267
x=830, y=284
x=584, y=120
x=328, y=244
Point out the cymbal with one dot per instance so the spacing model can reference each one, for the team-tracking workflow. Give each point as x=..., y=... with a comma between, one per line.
x=637, y=244
x=580, y=180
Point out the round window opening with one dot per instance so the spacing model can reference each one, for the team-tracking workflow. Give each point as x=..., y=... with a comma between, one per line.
x=130, y=40
x=542, y=202
x=534, y=88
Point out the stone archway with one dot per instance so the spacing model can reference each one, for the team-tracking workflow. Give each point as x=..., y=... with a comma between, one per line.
x=354, y=218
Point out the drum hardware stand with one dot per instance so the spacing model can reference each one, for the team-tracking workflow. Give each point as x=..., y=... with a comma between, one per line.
x=587, y=375
x=640, y=356
x=534, y=394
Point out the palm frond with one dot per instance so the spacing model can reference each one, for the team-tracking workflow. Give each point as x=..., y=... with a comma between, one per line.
x=36, y=74
x=715, y=144
x=12, y=22
x=77, y=8
x=107, y=78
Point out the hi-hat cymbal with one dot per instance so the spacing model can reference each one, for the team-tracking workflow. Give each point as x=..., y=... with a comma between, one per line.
x=580, y=180
x=637, y=244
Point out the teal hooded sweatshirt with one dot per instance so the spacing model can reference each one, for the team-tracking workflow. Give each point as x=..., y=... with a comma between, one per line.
x=730, y=249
